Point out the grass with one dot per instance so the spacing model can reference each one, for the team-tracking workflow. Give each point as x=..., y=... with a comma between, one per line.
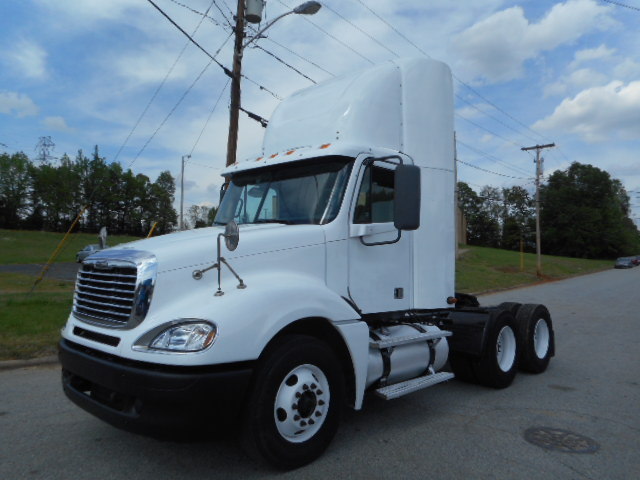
x=30, y=323
x=21, y=246
x=481, y=269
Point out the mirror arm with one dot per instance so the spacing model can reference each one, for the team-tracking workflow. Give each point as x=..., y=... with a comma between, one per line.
x=241, y=284
x=219, y=292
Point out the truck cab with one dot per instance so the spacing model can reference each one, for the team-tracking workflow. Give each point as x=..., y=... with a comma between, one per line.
x=329, y=273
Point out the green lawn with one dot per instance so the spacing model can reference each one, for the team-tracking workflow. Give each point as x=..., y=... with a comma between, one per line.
x=30, y=323
x=20, y=246
x=483, y=269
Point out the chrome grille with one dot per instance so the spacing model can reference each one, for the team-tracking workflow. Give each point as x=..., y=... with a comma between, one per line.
x=114, y=288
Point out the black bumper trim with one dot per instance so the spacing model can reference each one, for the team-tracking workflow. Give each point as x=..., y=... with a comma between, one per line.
x=149, y=398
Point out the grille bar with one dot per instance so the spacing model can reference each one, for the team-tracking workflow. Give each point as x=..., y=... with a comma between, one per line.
x=114, y=288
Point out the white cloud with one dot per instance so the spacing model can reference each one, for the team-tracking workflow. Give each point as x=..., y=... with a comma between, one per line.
x=57, y=123
x=580, y=79
x=628, y=69
x=599, y=113
x=590, y=54
x=17, y=104
x=29, y=58
x=496, y=48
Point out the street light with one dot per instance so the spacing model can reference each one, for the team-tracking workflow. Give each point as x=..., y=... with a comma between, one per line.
x=306, y=8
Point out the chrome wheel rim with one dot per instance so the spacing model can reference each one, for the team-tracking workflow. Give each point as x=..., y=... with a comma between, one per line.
x=506, y=349
x=541, y=338
x=302, y=403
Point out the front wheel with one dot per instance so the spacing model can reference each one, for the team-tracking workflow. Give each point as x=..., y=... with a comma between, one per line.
x=294, y=407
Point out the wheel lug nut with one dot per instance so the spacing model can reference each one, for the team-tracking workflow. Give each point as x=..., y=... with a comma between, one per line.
x=320, y=402
x=298, y=394
x=318, y=414
x=296, y=417
x=319, y=392
x=311, y=422
x=294, y=406
x=305, y=386
x=303, y=423
x=313, y=386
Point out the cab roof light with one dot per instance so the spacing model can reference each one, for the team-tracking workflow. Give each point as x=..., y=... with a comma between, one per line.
x=274, y=155
x=326, y=145
x=290, y=152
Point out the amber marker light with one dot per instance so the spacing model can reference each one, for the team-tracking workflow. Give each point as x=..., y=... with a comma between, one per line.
x=326, y=145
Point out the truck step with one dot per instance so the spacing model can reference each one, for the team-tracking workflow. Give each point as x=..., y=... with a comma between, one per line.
x=413, y=385
x=418, y=337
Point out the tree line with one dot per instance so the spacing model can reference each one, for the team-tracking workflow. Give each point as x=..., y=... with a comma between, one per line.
x=583, y=213
x=50, y=197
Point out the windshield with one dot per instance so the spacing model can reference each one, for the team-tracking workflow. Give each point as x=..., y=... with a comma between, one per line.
x=298, y=193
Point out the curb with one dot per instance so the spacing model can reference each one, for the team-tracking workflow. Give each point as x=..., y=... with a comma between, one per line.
x=32, y=362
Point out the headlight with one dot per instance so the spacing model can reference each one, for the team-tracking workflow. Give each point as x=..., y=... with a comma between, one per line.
x=186, y=337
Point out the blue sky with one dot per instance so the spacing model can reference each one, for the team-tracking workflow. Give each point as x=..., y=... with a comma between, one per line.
x=83, y=72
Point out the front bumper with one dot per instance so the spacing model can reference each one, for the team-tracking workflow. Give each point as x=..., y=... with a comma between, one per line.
x=152, y=398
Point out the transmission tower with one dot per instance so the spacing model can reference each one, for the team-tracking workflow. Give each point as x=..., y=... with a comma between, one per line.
x=44, y=147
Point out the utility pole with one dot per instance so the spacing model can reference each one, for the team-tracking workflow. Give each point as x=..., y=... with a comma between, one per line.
x=182, y=193
x=538, y=161
x=251, y=11
x=234, y=108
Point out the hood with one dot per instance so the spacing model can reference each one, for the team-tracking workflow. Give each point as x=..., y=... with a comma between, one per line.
x=198, y=248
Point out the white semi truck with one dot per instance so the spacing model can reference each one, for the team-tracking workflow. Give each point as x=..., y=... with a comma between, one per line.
x=328, y=275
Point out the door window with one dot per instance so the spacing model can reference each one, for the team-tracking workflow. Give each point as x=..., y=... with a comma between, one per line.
x=375, y=198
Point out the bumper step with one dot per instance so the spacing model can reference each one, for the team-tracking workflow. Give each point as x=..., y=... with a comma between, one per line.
x=413, y=385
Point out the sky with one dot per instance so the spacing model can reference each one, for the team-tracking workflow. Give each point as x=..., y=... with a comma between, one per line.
x=119, y=75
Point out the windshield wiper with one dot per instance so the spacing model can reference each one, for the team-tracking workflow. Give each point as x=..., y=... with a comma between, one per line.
x=273, y=220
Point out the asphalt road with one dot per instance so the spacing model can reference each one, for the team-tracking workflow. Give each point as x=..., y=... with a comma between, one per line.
x=60, y=271
x=453, y=431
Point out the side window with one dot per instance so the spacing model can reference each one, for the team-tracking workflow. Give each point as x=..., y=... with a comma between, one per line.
x=375, y=198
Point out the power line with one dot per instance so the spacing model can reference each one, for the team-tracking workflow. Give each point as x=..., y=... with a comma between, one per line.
x=213, y=59
x=495, y=159
x=331, y=36
x=285, y=63
x=398, y=32
x=622, y=5
x=487, y=130
x=215, y=105
x=157, y=91
x=171, y=112
x=300, y=56
x=204, y=15
x=475, y=107
x=378, y=42
x=489, y=171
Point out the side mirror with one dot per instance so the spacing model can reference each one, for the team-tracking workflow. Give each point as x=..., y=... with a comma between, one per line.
x=406, y=201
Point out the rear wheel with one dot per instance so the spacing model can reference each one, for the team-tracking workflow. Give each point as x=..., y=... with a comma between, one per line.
x=535, y=336
x=498, y=364
x=294, y=407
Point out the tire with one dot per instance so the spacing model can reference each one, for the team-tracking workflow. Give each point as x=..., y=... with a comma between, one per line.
x=498, y=364
x=513, y=307
x=535, y=336
x=294, y=407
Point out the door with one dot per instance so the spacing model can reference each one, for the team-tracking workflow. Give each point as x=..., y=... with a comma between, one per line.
x=380, y=267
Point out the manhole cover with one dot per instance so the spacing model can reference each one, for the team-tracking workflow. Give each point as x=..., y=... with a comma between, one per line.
x=560, y=440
